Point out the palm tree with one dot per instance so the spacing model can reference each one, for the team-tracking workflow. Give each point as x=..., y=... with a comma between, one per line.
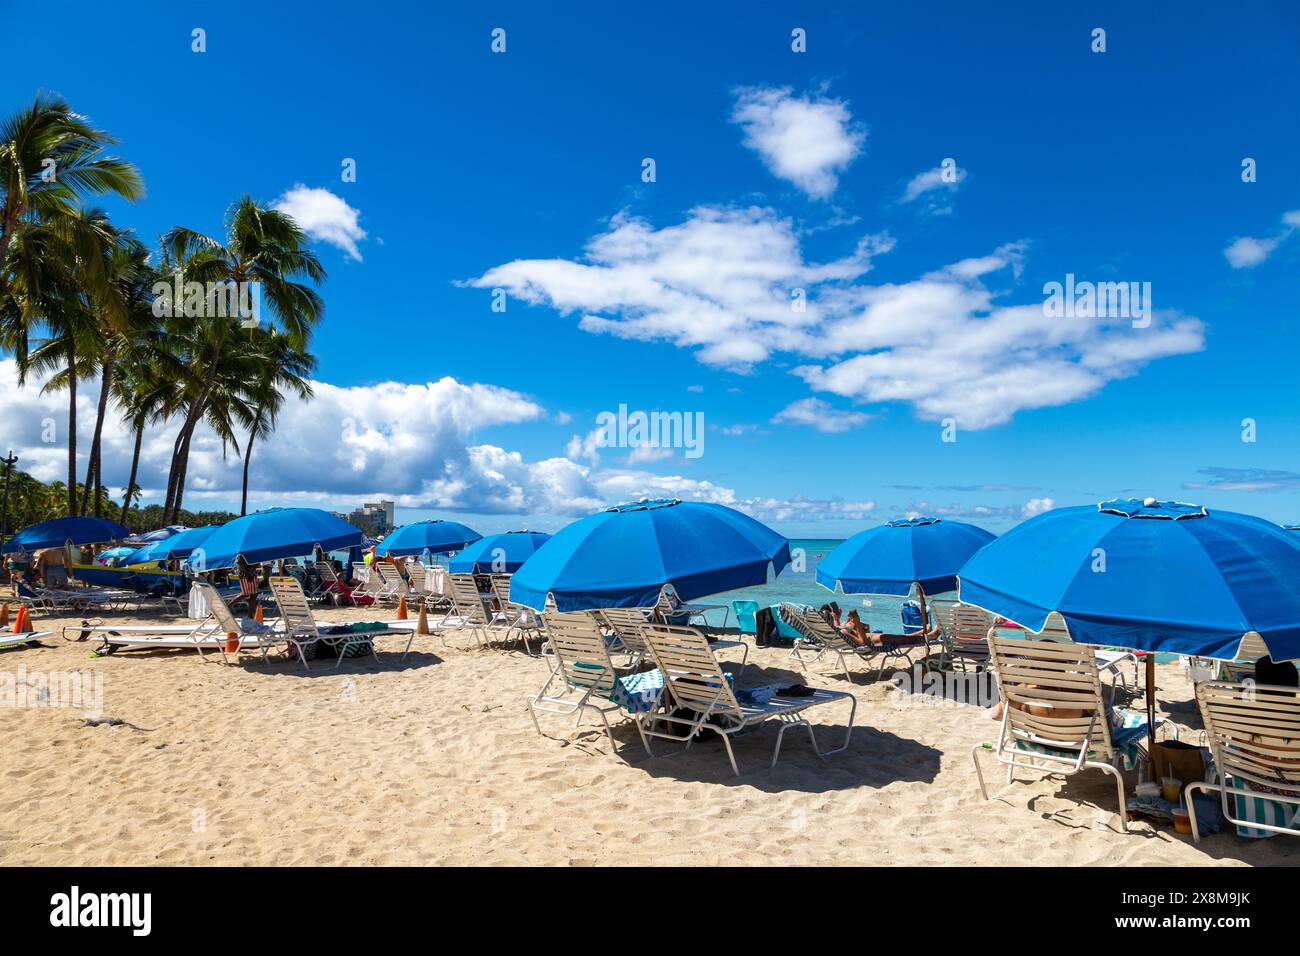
x=128, y=330
x=54, y=293
x=282, y=366
x=51, y=159
x=263, y=247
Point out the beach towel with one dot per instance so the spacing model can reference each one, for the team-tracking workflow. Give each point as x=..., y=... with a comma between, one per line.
x=1128, y=728
x=1261, y=809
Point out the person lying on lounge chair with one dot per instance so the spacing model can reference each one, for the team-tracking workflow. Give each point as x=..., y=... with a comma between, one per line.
x=855, y=632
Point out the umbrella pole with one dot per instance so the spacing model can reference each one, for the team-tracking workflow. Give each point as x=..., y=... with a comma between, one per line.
x=1151, y=715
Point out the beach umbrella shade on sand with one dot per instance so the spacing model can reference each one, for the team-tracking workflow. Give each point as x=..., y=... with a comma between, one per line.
x=434, y=536
x=180, y=545
x=891, y=558
x=1147, y=575
x=498, y=553
x=272, y=534
x=57, y=532
x=624, y=556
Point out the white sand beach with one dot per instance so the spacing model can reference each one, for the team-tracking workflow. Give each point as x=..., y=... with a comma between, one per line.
x=434, y=760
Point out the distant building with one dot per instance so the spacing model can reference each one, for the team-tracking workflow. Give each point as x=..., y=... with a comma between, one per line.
x=387, y=508
x=374, y=518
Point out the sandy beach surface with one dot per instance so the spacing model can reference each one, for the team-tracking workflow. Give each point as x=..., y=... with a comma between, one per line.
x=435, y=760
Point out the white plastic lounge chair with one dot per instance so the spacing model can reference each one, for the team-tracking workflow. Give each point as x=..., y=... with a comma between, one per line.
x=210, y=634
x=1053, y=677
x=517, y=617
x=818, y=638
x=583, y=677
x=695, y=685
x=626, y=623
x=390, y=585
x=1108, y=661
x=966, y=637
x=301, y=632
x=1254, y=734
x=468, y=611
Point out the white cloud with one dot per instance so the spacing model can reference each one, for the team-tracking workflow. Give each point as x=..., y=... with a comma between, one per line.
x=410, y=443
x=720, y=283
x=1036, y=506
x=324, y=216
x=1245, y=252
x=820, y=415
x=807, y=140
x=931, y=180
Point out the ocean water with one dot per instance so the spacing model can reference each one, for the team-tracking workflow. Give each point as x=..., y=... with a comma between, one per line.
x=878, y=613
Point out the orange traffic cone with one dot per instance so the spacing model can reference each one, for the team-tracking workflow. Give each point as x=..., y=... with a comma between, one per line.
x=4, y=615
x=232, y=642
x=21, y=620
x=257, y=615
x=27, y=624
x=423, y=626
x=401, y=608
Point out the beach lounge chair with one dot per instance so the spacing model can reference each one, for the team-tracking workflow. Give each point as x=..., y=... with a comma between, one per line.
x=517, y=617
x=583, y=677
x=44, y=599
x=390, y=585
x=699, y=693
x=1050, y=677
x=626, y=624
x=966, y=636
x=210, y=634
x=818, y=638
x=1254, y=735
x=301, y=631
x=468, y=612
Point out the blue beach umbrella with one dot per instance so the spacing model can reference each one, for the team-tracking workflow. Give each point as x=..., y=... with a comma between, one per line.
x=57, y=532
x=435, y=536
x=149, y=537
x=624, y=556
x=498, y=553
x=271, y=534
x=890, y=558
x=1148, y=575
x=180, y=545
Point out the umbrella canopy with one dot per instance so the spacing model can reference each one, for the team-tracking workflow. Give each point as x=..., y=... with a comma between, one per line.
x=112, y=554
x=271, y=534
x=435, y=536
x=624, y=556
x=891, y=558
x=498, y=553
x=57, y=532
x=148, y=537
x=180, y=545
x=1148, y=575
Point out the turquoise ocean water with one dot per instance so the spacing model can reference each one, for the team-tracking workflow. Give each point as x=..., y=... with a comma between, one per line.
x=800, y=587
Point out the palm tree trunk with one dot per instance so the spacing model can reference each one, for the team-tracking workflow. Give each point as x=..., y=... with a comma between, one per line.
x=92, y=466
x=135, y=467
x=248, y=457
x=180, y=451
x=72, y=429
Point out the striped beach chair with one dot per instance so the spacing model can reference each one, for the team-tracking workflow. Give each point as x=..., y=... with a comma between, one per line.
x=1254, y=735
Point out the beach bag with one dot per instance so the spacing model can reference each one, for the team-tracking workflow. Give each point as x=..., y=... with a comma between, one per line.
x=764, y=627
x=1173, y=758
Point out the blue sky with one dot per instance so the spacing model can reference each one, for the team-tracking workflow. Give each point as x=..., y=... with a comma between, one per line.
x=774, y=170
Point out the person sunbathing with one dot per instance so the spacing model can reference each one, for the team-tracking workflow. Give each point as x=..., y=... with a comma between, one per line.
x=856, y=633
